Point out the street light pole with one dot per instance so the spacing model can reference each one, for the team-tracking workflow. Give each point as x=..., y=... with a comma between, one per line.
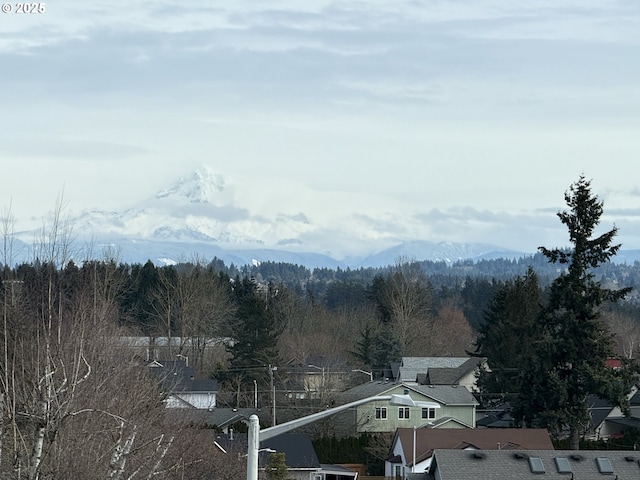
x=256, y=435
x=253, y=445
x=413, y=465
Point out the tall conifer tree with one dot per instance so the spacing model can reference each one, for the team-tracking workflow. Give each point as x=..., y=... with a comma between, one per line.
x=573, y=344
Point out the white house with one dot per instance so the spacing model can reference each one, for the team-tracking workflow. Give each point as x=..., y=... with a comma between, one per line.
x=181, y=386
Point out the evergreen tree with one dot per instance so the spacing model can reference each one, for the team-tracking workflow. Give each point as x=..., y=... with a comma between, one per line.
x=276, y=467
x=254, y=330
x=573, y=343
x=504, y=337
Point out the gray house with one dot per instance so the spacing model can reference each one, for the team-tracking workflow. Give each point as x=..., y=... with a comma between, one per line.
x=412, y=450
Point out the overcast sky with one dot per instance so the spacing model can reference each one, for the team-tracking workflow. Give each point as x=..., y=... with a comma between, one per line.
x=472, y=116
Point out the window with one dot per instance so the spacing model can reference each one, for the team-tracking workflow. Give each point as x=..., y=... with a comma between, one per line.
x=429, y=413
x=403, y=412
x=381, y=413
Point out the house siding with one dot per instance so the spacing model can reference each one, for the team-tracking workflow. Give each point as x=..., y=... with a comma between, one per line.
x=367, y=422
x=204, y=401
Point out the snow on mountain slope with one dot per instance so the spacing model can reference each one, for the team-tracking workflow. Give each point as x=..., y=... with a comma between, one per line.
x=198, y=207
x=207, y=214
x=201, y=186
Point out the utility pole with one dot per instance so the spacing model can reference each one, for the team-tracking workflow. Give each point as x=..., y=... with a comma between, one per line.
x=273, y=395
x=255, y=394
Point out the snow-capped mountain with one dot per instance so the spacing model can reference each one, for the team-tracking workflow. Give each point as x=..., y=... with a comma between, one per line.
x=209, y=215
x=202, y=186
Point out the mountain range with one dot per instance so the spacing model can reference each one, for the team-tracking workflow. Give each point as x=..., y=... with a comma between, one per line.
x=204, y=216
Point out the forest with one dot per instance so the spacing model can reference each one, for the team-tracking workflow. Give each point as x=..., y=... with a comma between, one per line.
x=61, y=318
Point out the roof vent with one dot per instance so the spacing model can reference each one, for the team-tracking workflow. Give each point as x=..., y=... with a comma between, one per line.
x=519, y=455
x=629, y=458
x=478, y=455
x=576, y=457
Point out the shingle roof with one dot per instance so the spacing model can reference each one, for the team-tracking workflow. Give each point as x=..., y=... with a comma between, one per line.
x=448, y=375
x=514, y=465
x=297, y=447
x=365, y=390
x=412, y=366
x=429, y=439
x=445, y=394
x=177, y=377
x=219, y=417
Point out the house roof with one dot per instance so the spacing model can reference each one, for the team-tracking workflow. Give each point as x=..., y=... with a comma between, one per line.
x=338, y=470
x=498, y=417
x=515, y=465
x=446, y=420
x=430, y=439
x=627, y=422
x=365, y=390
x=411, y=367
x=297, y=447
x=176, y=376
x=444, y=394
x=448, y=375
x=219, y=417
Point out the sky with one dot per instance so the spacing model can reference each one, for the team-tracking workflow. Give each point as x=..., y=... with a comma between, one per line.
x=445, y=120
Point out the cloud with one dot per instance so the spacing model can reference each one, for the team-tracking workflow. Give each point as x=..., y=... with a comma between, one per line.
x=85, y=150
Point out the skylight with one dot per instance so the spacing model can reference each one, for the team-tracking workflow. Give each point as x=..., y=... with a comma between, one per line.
x=562, y=464
x=536, y=465
x=604, y=465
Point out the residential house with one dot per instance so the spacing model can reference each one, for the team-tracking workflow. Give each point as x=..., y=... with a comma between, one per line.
x=317, y=377
x=532, y=464
x=412, y=449
x=182, y=388
x=608, y=421
x=439, y=371
x=456, y=408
